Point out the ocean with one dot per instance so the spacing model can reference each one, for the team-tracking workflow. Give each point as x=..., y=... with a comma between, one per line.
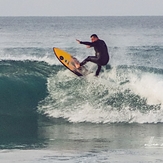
x=48, y=114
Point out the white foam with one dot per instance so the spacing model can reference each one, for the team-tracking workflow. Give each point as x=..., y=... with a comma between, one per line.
x=85, y=101
x=88, y=113
x=149, y=86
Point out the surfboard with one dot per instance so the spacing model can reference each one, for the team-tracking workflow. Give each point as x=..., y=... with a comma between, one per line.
x=70, y=62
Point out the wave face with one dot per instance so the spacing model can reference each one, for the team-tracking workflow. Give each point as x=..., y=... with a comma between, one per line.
x=22, y=86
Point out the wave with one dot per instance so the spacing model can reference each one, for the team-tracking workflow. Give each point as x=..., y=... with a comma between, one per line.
x=122, y=94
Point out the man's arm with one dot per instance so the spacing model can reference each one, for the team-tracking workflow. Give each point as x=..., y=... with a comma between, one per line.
x=89, y=44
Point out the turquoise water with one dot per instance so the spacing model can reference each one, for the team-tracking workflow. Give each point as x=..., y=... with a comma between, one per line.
x=50, y=115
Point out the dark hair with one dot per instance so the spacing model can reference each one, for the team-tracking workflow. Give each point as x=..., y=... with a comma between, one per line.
x=94, y=35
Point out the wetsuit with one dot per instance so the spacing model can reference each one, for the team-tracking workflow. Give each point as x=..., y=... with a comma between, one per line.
x=101, y=57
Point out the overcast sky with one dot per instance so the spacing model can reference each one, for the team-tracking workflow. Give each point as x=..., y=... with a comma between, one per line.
x=80, y=7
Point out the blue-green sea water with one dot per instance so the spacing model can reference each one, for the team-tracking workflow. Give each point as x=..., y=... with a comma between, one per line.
x=48, y=114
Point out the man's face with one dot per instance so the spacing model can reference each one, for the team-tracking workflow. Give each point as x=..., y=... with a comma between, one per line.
x=93, y=39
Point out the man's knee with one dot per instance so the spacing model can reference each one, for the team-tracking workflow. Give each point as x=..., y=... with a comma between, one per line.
x=88, y=58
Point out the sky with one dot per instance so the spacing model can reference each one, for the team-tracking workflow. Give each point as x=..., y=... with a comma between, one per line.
x=81, y=7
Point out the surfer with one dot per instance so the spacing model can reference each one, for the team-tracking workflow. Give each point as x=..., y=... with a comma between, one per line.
x=101, y=57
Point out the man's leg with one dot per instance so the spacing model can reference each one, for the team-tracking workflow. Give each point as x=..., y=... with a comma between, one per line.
x=83, y=62
x=93, y=59
x=98, y=70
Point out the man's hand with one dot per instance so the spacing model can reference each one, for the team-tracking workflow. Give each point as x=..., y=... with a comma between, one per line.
x=78, y=41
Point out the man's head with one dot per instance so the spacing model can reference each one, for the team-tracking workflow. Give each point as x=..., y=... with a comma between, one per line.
x=94, y=37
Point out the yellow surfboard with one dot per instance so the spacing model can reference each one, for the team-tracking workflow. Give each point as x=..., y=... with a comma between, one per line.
x=70, y=62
